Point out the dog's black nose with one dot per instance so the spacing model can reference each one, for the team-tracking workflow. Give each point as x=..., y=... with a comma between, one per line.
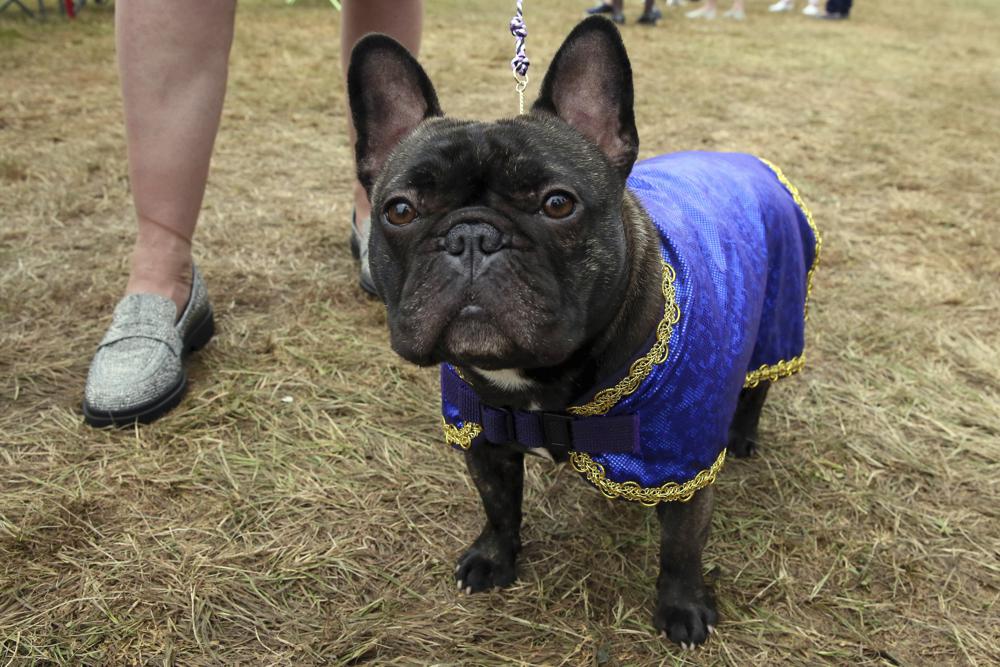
x=473, y=237
x=471, y=245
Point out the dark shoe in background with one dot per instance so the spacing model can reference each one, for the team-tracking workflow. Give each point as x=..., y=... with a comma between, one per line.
x=650, y=18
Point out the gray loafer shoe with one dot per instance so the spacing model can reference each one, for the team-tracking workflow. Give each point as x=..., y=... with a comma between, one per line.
x=138, y=373
x=359, y=248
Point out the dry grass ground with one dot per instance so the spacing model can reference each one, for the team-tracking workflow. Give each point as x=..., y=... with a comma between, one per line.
x=300, y=507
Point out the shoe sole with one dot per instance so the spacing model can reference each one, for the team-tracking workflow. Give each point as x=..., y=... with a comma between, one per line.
x=144, y=414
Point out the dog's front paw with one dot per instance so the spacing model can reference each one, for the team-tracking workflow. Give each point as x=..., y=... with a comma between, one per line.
x=489, y=563
x=686, y=619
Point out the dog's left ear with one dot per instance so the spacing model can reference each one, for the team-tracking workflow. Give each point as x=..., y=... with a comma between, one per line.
x=390, y=95
x=589, y=85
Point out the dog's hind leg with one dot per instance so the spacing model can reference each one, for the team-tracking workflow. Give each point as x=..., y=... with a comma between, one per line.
x=743, y=429
x=499, y=476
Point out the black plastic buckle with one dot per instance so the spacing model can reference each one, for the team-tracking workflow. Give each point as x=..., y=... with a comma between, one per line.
x=557, y=430
x=511, y=427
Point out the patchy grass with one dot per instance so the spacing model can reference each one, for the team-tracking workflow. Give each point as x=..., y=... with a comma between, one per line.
x=247, y=528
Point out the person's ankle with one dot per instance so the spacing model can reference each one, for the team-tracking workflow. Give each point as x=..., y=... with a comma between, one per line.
x=168, y=276
x=161, y=263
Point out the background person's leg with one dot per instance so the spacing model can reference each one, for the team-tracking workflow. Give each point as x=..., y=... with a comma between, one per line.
x=705, y=12
x=400, y=19
x=650, y=14
x=173, y=60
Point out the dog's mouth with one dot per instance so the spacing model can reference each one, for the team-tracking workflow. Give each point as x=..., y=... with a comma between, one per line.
x=506, y=318
x=474, y=338
x=486, y=338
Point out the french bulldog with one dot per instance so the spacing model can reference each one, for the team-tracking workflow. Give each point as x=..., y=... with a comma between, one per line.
x=513, y=252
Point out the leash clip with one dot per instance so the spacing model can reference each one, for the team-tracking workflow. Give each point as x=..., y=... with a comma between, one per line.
x=521, y=83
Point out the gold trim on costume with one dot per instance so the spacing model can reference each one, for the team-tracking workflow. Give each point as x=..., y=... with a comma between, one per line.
x=606, y=399
x=649, y=496
x=772, y=372
x=794, y=191
x=461, y=437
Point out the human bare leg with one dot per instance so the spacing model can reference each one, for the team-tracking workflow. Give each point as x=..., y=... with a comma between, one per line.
x=173, y=60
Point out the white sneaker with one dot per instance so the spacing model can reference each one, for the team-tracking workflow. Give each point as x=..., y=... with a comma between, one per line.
x=675, y=3
x=782, y=6
x=811, y=10
x=703, y=13
x=735, y=14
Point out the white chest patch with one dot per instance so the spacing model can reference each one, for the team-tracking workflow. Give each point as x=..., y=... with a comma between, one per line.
x=510, y=379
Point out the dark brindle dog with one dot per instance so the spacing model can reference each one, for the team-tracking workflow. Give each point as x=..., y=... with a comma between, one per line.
x=629, y=328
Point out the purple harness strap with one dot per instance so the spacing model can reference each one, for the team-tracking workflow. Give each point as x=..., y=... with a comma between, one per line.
x=592, y=435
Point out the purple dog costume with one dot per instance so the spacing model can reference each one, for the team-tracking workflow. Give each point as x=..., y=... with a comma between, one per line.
x=739, y=250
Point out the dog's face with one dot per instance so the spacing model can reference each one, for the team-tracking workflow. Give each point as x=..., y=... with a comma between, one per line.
x=497, y=245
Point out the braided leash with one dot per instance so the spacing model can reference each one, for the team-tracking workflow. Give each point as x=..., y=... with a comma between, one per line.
x=520, y=63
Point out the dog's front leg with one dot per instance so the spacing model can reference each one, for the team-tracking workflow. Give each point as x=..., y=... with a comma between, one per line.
x=685, y=607
x=498, y=472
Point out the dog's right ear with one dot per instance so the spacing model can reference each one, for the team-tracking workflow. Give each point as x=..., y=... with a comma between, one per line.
x=390, y=95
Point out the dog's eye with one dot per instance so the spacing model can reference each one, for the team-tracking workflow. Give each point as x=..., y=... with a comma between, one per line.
x=558, y=205
x=399, y=212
